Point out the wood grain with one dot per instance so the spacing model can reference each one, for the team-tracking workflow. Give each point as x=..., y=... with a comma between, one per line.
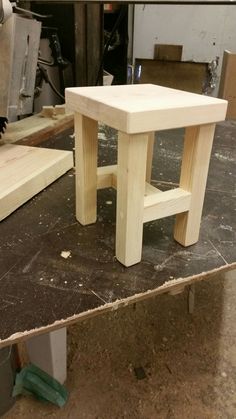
x=167, y=203
x=151, y=139
x=195, y=163
x=86, y=148
x=89, y=43
x=36, y=129
x=144, y=107
x=131, y=173
x=105, y=176
x=25, y=171
x=187, y=76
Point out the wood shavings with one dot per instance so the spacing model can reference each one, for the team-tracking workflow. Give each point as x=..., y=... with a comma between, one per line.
x=66, y=254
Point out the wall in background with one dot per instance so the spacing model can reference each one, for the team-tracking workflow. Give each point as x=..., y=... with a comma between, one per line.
x=204, y=31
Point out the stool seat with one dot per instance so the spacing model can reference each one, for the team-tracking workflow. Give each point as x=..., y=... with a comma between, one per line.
x=145, y=107
x=137, y=111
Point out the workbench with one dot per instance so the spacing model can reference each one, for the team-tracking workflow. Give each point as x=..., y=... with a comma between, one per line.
x=43, y=289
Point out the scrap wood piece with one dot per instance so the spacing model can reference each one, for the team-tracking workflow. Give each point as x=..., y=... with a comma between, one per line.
x=53, y=111
x=166, y=52
x=37, y=128
x=25, y=171
x=188, y=76
x=227, y=89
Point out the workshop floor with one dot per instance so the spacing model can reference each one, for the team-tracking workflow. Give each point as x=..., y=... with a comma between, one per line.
x=185, y=364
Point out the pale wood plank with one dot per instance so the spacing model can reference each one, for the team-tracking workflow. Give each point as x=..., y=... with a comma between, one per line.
x=114, y=180
x=150, y=189
x=86, y=148
x=151, y=139
x=105, y=176
x=160, y=205
x=131, y=173
x=195, y=163
x=25, y=171
x=145, y=107
x=37, y=128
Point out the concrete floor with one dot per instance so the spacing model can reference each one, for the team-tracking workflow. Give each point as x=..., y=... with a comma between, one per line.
x=189, y=361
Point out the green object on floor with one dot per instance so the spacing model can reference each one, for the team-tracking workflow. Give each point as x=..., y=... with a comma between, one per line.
x=33, y=380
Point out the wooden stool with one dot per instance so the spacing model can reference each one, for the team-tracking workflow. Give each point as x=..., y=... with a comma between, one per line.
x=136, y=111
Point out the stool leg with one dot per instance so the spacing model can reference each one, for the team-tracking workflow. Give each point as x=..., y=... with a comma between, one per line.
x=86, y=145
x=195, y=164
x=131, y=173
x=151, y=137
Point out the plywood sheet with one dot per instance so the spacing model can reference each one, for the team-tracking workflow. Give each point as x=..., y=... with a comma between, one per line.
x=41, y=291
x=227, y=89
x=167, y=52
x=25, y=171
x=187, y=76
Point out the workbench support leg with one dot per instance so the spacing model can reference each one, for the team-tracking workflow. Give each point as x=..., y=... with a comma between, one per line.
x=86, y=150
x=49, y=352
x=131, y=174
x=195, y=164
x=191, y=298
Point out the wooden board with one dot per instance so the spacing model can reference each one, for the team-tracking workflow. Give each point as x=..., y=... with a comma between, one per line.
x=41, y=291
x=35, y=129
x=86, y=149
x=194, y=170
x=89, y=43
x=227, y=89
x=187, y=76
x=167, y=52
x=158, y=205
x=25, y=171
x=131, y=175
x=144, y=107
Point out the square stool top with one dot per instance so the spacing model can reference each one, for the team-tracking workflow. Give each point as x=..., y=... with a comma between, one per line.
x=141, y=108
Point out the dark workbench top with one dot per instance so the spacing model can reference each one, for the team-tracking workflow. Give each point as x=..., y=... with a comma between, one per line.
x=38, y=287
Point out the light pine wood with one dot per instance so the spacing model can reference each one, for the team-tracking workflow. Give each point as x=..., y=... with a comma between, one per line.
x=195, y=163
x=22, y=355
x=86, y=148
x=131, y=173
x=48, y=111
x=37, y=126
x=106, y=176
x=137, y=111
x=151, y=139
x=25, y=171
x=145, y=107
x=160, y=205
x=150, y=189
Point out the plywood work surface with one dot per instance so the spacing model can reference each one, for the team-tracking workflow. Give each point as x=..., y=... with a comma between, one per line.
x=144, y=107
x=41, y=290
x=25, y=171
